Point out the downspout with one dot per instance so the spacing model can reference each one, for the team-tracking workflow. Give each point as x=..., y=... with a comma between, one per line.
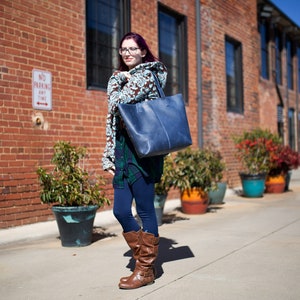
x=199, y=73
x=297, y=106
x=287, y=94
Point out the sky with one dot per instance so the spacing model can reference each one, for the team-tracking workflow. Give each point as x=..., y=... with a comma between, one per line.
x=290, y=7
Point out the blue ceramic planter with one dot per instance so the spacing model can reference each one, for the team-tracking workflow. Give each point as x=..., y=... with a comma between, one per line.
x=217, y=197
x=159, y=204
x=253, y=185
x=287, y=180
x=75, y=224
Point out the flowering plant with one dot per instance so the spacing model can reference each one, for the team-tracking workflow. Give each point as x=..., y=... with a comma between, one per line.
x=283, y=159
x=254, y=150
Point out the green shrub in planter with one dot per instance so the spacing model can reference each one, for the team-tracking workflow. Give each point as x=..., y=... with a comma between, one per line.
x=76, y=195
x=197, y=168
x=68, y=184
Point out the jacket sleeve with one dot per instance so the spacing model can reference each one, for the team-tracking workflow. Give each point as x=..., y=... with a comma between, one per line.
x=135, y=90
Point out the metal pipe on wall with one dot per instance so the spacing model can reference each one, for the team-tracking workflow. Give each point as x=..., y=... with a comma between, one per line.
x=199, y=73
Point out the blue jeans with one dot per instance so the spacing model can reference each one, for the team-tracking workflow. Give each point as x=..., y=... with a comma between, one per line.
x=143, y=194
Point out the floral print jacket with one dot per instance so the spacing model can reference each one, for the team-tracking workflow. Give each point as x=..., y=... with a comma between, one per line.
x=139, y=87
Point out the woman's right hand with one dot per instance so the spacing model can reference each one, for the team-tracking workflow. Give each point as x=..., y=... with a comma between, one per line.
x=126, y=74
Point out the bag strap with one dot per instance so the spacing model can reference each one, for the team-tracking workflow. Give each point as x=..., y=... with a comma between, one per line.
x=158, y=87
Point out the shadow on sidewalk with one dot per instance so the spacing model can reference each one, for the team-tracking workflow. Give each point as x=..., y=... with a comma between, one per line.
x=100, y=234
x=167, y=252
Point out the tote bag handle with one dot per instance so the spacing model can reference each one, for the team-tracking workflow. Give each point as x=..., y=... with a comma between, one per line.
x=158, y=87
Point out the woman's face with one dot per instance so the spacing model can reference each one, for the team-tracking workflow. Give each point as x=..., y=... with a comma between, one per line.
x=132, y=55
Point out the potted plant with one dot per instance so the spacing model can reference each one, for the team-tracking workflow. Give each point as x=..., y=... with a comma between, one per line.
x=194, y=176
x=75, y=194
x=162, y=188
x=216, y=196
x=254, y=152
x=283, y=160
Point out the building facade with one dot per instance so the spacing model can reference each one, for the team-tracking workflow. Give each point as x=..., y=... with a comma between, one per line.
x=237, y=64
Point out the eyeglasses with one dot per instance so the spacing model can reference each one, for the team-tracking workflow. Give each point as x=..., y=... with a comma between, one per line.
x=131, y=50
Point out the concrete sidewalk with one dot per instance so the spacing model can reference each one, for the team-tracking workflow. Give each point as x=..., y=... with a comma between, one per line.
x=244, y=249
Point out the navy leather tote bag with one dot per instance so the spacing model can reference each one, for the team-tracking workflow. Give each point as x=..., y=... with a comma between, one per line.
x=157, y=127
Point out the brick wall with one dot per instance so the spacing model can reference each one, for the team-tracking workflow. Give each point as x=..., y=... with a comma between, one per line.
x=50, y=35
x=236, y=19
x=44, y=35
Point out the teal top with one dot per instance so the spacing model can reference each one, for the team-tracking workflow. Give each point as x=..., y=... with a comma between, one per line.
x=129, y=166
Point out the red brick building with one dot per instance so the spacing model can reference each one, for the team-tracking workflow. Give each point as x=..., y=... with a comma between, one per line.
x=237, y=64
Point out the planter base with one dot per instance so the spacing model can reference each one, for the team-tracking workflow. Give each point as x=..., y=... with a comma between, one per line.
x=159, y=204
x=194, y=202
x=275, y=188
x=287, y=180
x=217, y=197
x=253, y=185
x=194, y=208
x=75, y=224
x=275, y=184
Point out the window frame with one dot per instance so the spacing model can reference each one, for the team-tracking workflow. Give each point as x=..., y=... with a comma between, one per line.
x=181, y=67
x=291, y=124
x=93, y=66
x=298, y=69
x=264, y=50
x=278, y=56
x=289, y=63
x=280, y=124
x=238, y=107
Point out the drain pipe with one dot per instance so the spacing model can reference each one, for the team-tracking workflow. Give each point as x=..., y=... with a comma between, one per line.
x=199, y=73
x=297, y=107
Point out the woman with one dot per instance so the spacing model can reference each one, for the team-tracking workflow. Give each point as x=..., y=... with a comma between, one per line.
x=134, y=178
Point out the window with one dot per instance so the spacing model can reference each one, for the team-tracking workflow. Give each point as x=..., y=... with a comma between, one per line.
x=289, y=61
x=280, y=120
x=298, y=146
x=173, y=50
x=264, y=41
x=292, y=128
x=278, y=52
x=234, y=78
x=106, y=22
x=298, y=55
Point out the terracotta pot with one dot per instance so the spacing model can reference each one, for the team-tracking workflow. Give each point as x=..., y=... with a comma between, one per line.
x=194, y=201
x=275, y=184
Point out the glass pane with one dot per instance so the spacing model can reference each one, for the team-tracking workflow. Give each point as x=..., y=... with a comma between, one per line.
x=291, y=128
x=230, y=75
x=298, y=55
x=264, y=51
x=289, y=51
x=169, y=50
x=102, y=36
x=278, y=49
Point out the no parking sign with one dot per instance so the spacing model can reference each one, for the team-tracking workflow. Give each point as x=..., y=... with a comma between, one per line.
x=41, y=90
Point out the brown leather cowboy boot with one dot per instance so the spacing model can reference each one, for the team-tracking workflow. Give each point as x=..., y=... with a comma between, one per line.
x=143, y=273
x=133, y=240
